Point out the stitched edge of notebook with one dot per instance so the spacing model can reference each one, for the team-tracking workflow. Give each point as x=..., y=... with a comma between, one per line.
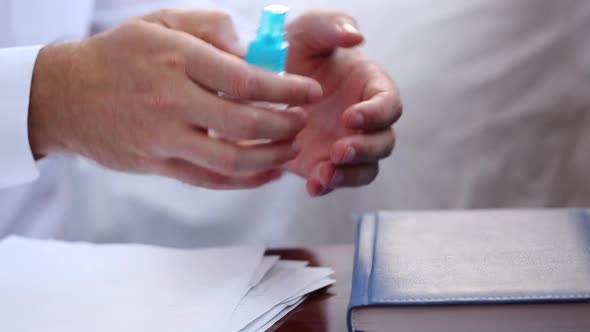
x=488, y=298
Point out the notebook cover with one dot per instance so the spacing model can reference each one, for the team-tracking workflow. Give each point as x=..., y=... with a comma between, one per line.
x=476, y=257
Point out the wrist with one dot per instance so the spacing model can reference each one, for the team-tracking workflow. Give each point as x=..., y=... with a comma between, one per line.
x=47, y=103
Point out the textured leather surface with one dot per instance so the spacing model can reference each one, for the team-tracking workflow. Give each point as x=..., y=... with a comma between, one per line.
x=503, y=256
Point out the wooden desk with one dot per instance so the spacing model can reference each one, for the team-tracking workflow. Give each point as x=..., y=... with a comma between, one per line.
x=324, y=311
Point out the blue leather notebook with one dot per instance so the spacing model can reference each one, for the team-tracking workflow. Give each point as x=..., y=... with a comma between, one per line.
x=492, y=270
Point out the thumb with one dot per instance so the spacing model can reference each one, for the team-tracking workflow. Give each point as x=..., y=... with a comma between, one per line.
x=318, y=32
x=213, y=27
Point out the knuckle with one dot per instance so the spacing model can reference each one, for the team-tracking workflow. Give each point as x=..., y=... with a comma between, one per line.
x=132, y=30
x=215, y=21
x=130, y=26
x=161, y=102
x=157, y=101
x=166, y=12
x=220, y=18
x=176, y=61
x=316, y=11
x=243, y=84
x=207, y=33
x=250, y=125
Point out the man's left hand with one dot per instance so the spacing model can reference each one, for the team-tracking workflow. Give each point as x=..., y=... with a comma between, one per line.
x=350, y=129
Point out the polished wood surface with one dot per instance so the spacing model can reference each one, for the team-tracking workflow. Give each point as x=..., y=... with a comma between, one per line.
x=324, y=311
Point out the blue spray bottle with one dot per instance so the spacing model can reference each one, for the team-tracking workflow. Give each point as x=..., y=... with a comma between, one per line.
x=268, y=51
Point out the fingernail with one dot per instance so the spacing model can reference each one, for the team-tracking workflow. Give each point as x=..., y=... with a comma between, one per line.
x=350, y=28
x=349, y=155
x=358, y=120
x=336, y=178
x=324, y=191
x=315, y=188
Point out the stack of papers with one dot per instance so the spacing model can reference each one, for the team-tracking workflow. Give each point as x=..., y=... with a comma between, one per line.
x=67, y=287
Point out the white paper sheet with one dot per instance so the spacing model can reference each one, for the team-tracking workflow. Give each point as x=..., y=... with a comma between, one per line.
x=267, y=263
x=52, y=286
x=281, y=314
x=269, y=316
x=267, y=320
x=314, y=286
x=278, y=285
x=290, y=264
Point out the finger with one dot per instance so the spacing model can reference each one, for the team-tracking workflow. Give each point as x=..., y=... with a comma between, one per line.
x=236, y=120
x=315, y=186
x=319, y=32
x=325, y=177
x=379, y=112
x=330, y=177
x=197, y=176
x=365, y=148
x=219, y=71
x=353, y=176
x=214, y=27
x=226, y=158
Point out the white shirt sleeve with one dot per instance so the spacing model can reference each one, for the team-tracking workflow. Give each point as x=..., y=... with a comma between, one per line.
x=17, y=164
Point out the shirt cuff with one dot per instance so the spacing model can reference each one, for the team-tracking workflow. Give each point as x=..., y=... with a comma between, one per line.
x=17, y=164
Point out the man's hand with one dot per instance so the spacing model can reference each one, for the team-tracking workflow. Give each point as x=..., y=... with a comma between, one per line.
x=349, y=130
x=141, y=97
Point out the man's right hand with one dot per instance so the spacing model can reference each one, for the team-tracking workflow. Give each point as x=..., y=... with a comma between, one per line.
x=141, y=97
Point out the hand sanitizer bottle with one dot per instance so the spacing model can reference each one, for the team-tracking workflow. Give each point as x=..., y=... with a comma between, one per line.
x=268, y=51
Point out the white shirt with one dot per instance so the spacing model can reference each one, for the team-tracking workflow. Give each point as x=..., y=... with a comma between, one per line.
x=497, y=115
